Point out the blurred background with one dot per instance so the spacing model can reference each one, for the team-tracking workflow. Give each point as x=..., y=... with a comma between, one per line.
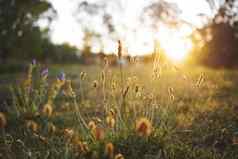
x=85, y=32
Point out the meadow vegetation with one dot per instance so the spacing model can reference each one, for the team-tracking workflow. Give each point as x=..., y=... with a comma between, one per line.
x=154, y=111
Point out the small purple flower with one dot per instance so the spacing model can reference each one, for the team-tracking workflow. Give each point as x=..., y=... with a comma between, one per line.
x=33, y=62
x=61, y=76
x=44, y=72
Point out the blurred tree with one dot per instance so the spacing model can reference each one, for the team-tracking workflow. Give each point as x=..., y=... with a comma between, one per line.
x=162, y=11
x=88, y=40
x=217, y=41
x=19, y=34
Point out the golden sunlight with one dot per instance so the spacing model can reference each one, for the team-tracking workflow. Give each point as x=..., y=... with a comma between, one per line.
x=175, y=42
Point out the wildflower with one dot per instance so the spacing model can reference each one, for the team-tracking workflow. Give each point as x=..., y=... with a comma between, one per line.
x=3, y=121
x=47, y=110
x=143, y=127
x=44, y=73
x=109, y=150
x=61, y=76
x=119, y=156
x=110, y=121
x=103, y=76
x=33, y=62
x=31, y=125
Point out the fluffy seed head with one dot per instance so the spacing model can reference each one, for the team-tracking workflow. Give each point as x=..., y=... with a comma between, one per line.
x=119, y=156
x=143, y=127
x=110, y=121
x=109, y=150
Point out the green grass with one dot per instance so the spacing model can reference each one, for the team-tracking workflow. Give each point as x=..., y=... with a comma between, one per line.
x=193, y=111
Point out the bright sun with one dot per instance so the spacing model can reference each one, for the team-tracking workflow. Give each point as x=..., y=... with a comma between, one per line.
x=174, y=42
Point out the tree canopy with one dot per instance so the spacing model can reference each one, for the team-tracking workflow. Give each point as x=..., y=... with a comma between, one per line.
x=20, y=35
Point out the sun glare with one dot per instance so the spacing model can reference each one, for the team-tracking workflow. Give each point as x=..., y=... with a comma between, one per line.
x=174, y=42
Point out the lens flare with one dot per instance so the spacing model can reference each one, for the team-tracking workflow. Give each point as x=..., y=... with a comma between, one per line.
x=174, y=42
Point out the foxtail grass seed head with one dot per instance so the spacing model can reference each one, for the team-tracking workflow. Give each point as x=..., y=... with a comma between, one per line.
x=119, y=156
x=82, y=75
x=106, y=62
x=200, y=80
x=109, y=150
x=114, y=85
x=103, y=76
x=32, y=125
x=119, y=51
x=112, y=113
x=136, y=89
x=3, y=121
x=110, y=121
x=171, y=94
x=143, y=127
x=47, y=110
x=95, y=84
x=125, y=91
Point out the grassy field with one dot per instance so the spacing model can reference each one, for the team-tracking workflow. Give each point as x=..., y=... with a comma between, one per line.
x=136, y=112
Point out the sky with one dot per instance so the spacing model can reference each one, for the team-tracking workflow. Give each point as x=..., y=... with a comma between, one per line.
x=66, y=29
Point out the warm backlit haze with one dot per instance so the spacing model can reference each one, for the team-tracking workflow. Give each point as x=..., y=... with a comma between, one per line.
x=138, y=39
